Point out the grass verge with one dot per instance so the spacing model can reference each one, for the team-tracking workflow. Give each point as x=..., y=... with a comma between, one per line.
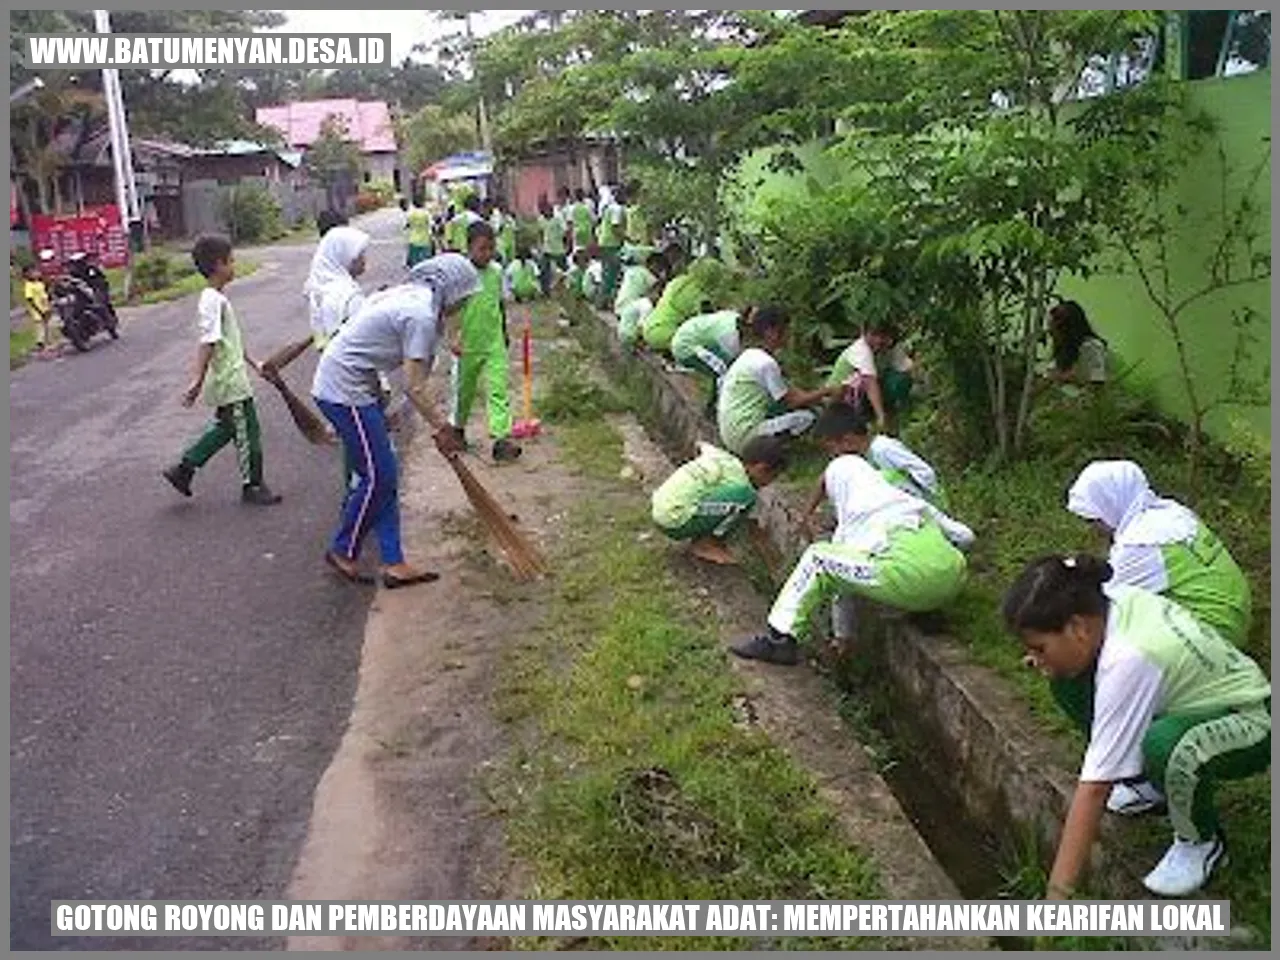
x=185, y=285
x=633, y=779
x=1018, y=512
x=22, y=342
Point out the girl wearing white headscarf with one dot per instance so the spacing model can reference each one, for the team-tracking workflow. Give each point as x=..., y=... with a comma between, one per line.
x=332, y=292
x=396, y=328
x=1160, y=546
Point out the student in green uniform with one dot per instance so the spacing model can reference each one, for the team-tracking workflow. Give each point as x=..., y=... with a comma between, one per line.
x=575, y=279
x=609, y=237
x=456, y=229
x=754, y=398
x=639, y=280
x=521, y=278
x=709, y=342
x=897, y=462
x=504, y=227
x=876, y=373
x=418, y=223
x=222, y=375
x=637, y=230
x=1175, y=703
x=684, y=296
x=889, y=547
x=1159, y=545
x=583, y=221
x=484, y=350
x=553, y=228
x=706, y=499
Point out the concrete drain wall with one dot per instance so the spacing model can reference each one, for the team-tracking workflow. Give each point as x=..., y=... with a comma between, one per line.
x=979, y=732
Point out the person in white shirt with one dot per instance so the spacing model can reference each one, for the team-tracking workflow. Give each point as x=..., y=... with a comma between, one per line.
x=1079, y=354
x=875, y=372
x=754, y=399
x=889, y=547
x=897, y=462
x=1172, y=702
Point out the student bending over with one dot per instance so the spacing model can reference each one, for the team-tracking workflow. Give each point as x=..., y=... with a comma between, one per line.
x=1175, y=703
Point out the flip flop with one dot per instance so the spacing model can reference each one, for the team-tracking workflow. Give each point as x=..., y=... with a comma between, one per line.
x=361, y=578
x=395, y=583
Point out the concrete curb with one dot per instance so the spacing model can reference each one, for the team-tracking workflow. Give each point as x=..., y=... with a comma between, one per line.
x=1002, y=771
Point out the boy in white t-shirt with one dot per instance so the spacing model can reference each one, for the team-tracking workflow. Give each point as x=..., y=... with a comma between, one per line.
x=897, y=462
x=755, y=400
x=876, y=374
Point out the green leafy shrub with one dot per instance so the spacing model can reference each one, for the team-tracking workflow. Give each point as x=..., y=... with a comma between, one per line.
x=154, y=271
x=252, y=214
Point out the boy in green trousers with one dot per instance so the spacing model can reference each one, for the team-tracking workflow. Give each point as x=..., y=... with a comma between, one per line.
x=222, y=375
x=484, y=349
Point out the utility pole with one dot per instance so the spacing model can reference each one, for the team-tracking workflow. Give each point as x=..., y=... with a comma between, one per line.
x=121, y=155
x=482, y=114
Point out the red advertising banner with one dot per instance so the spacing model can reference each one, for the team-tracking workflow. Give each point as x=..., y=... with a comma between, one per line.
x=98, y=230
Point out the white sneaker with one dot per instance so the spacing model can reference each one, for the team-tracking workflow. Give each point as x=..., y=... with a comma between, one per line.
x=1185, y=867
x=1135, y=798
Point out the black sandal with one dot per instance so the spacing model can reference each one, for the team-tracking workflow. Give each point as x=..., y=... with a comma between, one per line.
x=361, y=578
x=392, y=582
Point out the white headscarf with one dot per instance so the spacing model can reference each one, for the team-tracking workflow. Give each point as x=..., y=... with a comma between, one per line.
x=450, y=276
x=330, y=286
x=1117, y=493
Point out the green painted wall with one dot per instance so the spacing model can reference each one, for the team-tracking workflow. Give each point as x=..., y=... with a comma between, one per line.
x=1120, y=310
x=1117, y=305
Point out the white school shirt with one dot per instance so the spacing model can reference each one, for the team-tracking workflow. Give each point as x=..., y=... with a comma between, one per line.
x=888, y=453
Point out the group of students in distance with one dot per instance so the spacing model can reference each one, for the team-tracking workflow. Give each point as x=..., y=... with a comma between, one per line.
x=1142, y=650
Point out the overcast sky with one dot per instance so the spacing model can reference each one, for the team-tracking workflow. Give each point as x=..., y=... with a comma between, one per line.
x=406, y=27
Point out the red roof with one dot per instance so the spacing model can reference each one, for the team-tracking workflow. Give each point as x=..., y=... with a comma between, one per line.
x=369, y=122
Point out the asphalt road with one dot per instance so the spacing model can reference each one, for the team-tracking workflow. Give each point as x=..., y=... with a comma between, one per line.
x=181, y=670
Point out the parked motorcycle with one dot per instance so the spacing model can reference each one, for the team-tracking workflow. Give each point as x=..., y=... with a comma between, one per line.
x=82, y=310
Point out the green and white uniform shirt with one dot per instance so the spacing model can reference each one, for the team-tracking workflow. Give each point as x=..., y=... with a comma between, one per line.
x=582, y=223
x=750, y=392
x=553, y=244
x=709, y=493
x=905, y=470
x=1158, y=660
x=711, y=338
x=1161, y=546
x=636, y=282
x=609, y=232
x=227, y=379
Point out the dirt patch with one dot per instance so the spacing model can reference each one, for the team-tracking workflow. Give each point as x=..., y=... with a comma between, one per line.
x=402, y=813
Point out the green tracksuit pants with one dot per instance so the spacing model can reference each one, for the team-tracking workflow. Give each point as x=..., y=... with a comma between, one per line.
x=487, y=359
x=1186, y=755
x=234, y=423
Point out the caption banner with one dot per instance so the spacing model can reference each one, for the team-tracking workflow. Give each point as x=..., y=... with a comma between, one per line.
x=640, y=918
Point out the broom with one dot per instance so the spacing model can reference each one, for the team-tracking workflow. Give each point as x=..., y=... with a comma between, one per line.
x=305, y=419
x=522, y=556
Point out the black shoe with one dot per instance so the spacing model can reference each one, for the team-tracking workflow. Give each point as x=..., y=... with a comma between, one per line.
x=180, y=476
x=504, y=451
x=771, y=647
x=260, y=496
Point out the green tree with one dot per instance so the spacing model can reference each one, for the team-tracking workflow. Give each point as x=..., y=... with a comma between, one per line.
x=433, y=133
x=334, y=159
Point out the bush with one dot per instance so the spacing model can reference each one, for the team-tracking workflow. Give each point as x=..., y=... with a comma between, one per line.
x=154, y=271
x=366, y=202
x=252, y=214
